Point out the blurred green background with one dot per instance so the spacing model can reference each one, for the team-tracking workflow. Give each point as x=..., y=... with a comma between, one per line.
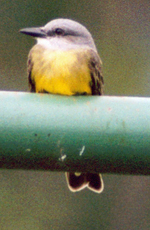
x=41, y=200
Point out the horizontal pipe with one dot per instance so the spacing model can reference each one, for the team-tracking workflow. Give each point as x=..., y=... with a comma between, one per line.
x=78, y=133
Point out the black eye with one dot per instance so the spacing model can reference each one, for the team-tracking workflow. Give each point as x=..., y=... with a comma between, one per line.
x=59, y=31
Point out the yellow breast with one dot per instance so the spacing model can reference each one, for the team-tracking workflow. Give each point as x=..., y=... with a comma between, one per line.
x=60, y=72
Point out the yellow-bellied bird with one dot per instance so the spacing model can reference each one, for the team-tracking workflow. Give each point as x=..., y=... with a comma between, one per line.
x=65, y=61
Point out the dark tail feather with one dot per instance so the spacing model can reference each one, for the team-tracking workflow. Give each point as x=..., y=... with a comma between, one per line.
x=78, y=181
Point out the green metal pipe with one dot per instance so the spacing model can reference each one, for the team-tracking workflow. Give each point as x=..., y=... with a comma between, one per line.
x=78, y=133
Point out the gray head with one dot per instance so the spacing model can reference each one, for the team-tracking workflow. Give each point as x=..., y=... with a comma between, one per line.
x=61, y=34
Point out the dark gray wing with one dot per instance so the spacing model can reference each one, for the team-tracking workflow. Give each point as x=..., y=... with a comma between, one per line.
x=30, y=80
x=97, y=81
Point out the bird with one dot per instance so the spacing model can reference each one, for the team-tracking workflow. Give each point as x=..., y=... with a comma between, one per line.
x=65, y=61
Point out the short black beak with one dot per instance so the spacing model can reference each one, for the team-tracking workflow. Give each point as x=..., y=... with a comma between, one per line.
x=34, y=31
